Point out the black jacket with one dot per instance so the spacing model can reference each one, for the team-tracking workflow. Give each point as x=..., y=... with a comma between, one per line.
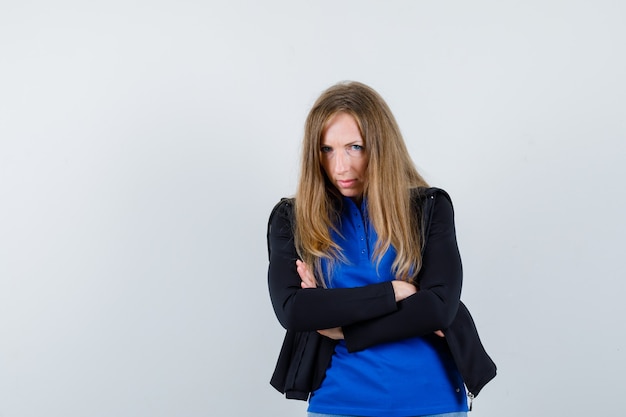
x=369, y=315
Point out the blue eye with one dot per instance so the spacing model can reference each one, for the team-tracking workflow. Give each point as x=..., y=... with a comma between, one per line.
x=326, y=149
x=355, y=150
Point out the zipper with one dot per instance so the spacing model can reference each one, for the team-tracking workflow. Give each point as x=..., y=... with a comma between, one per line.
x=471, y=399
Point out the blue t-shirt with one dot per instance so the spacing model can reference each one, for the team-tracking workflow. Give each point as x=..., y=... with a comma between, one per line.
x=410, y=377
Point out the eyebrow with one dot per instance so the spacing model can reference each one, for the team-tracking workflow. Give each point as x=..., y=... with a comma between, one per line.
x=355, y=142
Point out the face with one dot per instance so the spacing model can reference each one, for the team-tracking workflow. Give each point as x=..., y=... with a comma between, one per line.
x=343, y=155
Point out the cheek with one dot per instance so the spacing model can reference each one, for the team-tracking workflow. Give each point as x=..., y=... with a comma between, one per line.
x=324, y=166
x=363, y=167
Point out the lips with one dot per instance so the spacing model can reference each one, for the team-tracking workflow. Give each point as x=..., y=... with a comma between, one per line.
x=346, y=183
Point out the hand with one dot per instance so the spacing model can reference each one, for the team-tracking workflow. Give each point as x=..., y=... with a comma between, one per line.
x=336, y=333
x=308, y=280
x=439, y=333
x=403, y=289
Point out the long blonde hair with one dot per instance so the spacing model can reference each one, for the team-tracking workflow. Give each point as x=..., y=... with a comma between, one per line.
x=391, y=175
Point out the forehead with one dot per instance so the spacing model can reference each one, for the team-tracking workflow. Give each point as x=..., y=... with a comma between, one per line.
x=342, y=126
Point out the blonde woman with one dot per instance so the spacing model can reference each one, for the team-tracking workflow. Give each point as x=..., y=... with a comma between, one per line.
x=365, y=274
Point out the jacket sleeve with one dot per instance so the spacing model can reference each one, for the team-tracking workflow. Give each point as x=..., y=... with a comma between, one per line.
x=435, y=305
x=314, y=308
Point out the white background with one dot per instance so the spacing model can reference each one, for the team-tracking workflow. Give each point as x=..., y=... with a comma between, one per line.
x=144, y=143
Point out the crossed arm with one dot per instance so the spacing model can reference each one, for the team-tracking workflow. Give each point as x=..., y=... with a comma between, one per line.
x=401, y=290
x=375, y=313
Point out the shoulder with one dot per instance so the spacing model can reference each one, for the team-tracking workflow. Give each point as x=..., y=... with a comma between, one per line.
x=279, y=225
x=433, y=205
x=428, y=195
x=284, y=205
x=431, y=192
x=282, y=212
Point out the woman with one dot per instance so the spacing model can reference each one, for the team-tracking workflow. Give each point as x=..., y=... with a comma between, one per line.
x=365, y=274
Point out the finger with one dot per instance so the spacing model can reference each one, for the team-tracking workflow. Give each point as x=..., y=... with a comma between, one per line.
x=302, y=271
x=310, y=282
x=307, y=278
x=326, y=333
x=307, y=281
x=439, y=333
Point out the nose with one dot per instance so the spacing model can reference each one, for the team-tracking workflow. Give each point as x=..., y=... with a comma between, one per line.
x=342, y=162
